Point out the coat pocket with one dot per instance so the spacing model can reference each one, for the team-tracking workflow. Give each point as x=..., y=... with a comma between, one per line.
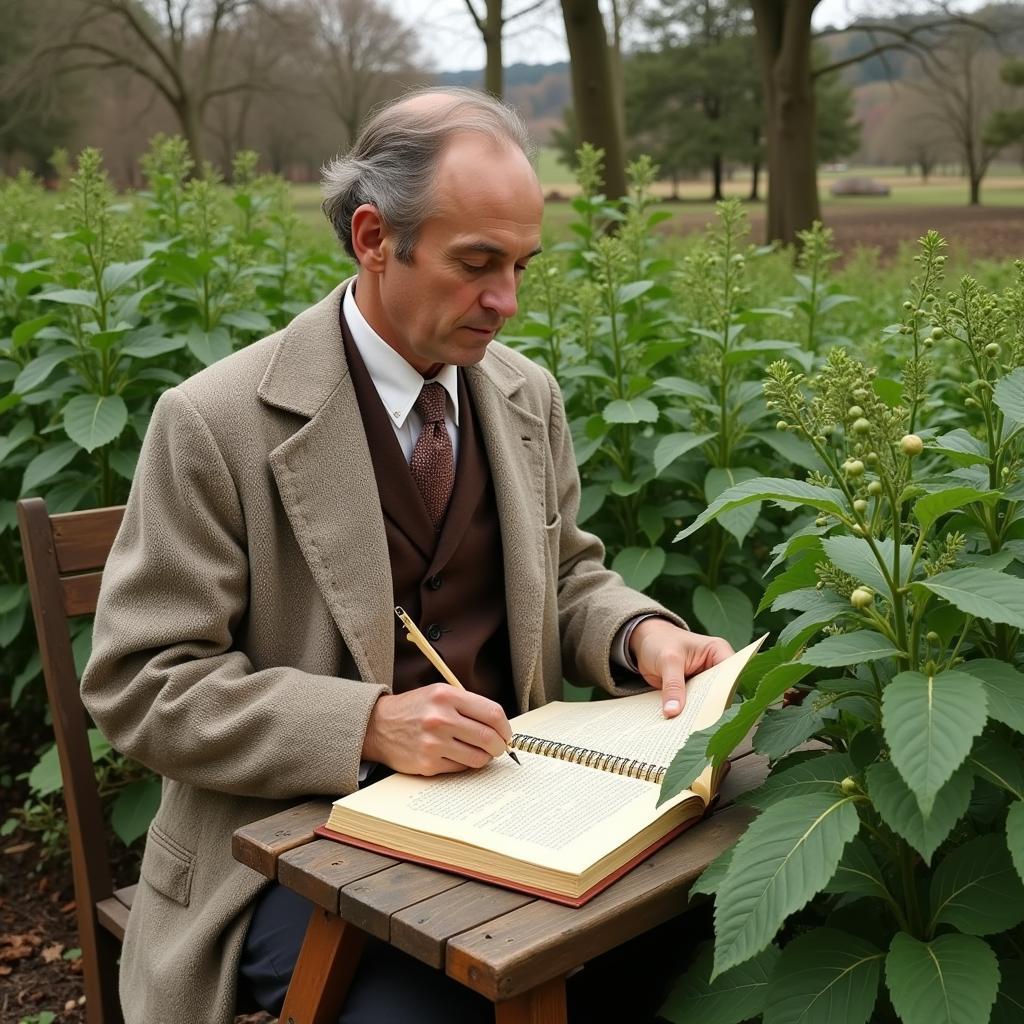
x=553, y=538
x=167, y=866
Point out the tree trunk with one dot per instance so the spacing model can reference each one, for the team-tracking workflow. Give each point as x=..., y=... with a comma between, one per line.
x=592, y=89
x=494, y=73
x=975, y=188
x=755, y=176
x=191, y=128
x=784, y=44
x=716, y=178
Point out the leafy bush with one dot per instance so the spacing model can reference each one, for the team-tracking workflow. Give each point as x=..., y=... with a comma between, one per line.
x=894, y=845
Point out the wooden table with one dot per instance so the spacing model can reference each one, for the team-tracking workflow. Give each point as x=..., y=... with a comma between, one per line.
x=514, y=949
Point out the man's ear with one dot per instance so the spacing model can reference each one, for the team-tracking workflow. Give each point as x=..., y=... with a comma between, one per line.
x=370, y=238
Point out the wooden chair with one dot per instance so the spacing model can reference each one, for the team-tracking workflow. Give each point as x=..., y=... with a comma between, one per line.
x=64, y=558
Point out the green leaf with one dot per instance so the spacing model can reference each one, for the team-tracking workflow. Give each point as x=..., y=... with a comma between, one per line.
x=1009, y=1008
x=92, y=421
x=820, y=774
x=633, y=290
x=631, y=410
x=772, y=686
x=849, y=649
x=994, y=760
x=827, y=499
x=134, y=808
x=737, y=521
x=115, y=275
x=784, y=858
x=36, y=372
x=149, y=347
x=823, y=977
x=684, y=388
x=674, y=446
x=30, y=672
x=45, y=777
x=691, y=759
x=70, y=297
x=827, y=607
x=639, y=567
x=854, y=555
x=782, y=729
x=930, y=723
x=1004, y=687
x=951, y=980
x=735, y=996
x=247, y=320
x=1015, y=835
x=208, y=346
x=28, y=329
x=991, y=595
x=801, y=575
x=859, y=874
x=976, y=888
x=713, y=875
x=725, y=611
x=1009, y=395
x=898, y=807
x=961, y=447
x=792, y=448
x=930, y=508
x=47, y=464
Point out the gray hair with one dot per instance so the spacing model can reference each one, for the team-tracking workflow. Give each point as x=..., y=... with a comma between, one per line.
x=393, y=163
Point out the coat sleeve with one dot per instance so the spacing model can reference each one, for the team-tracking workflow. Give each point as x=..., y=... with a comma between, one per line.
x=165, y=682
x=593, y=602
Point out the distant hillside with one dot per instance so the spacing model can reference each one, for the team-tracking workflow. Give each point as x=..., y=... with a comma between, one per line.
x=540, y=92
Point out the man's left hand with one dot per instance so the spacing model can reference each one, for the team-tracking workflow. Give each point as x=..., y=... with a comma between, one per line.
x=667, y=655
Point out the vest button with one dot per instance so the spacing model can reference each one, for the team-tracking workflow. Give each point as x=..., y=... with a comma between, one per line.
x=434, y=582
x=434, y=632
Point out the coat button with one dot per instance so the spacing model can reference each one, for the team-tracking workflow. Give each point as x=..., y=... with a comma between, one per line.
x=434, y=632
x=434, y=582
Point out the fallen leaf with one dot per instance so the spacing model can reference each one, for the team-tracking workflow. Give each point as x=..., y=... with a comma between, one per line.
x=69, y=907
x=52, y=953
x=18, y=848
x=4, y=970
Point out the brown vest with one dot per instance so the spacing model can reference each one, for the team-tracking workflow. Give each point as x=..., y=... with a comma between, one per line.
x=452, y=582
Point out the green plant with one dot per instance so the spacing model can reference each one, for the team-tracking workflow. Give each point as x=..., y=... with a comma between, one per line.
x=894, y=847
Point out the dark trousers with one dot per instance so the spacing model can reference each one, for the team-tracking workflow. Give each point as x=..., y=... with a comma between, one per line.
x=390, y=987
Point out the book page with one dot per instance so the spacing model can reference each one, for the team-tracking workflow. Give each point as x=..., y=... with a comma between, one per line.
x=545, y=812
x=634, y=727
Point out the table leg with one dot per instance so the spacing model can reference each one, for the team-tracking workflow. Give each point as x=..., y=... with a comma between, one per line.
x=327, y=961
x=544, y=1004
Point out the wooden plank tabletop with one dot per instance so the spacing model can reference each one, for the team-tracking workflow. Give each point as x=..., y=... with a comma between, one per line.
x=498, y=942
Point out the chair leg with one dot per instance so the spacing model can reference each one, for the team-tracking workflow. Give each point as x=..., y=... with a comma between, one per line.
x=324, y=971
x=100, y=952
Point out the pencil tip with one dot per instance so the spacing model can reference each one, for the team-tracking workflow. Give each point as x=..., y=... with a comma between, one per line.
x=512, y=754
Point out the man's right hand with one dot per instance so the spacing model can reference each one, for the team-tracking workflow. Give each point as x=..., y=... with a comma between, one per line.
x=435, y=729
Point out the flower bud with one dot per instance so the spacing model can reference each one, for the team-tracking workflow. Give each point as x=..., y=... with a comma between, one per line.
x=992, y=349
x=854, y=467
x=932, y=637
x=860, y=505
x=862, y=598
x=859, y=531
x=928, y=343
x=937, y=332
x=871, y=458
x=861, y=426
x=821, y=521
x=849, y=786
x=908, y=305
x=971, y=403
x=875, y=488
x=911, y=444
x=861, y=394
x=940, y=261
x=854, y=412
x=782, y=425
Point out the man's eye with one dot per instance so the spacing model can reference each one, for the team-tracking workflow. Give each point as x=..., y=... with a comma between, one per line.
x=474, y=268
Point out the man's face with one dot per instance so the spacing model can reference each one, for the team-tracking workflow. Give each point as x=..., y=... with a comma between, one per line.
x=460, y=288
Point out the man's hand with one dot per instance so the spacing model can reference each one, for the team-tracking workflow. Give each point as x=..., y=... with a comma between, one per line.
x=435, y=729
x=666, y=655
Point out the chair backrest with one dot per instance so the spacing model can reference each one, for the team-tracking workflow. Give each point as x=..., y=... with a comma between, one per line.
x=64, y=558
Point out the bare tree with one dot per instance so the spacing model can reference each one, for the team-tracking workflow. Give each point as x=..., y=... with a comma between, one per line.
x=178, y=46
x=491, y=25
x=362, y=55
x=907, y=134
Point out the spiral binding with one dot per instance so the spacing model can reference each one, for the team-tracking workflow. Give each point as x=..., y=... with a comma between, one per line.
x=589, y=758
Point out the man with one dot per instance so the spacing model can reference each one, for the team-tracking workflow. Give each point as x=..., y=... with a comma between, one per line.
x=380, y=450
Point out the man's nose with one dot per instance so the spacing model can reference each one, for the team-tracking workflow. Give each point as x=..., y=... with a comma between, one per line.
x=501, y=298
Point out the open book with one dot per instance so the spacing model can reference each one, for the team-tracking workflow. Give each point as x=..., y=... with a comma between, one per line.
x=579, y=812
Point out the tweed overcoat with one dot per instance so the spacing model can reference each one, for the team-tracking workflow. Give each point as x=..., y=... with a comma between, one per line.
x=245, y=624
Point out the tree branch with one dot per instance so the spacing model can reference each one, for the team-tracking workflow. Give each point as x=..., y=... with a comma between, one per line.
x=481, y=26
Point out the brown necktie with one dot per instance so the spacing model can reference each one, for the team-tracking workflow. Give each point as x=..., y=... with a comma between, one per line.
x=433, y=463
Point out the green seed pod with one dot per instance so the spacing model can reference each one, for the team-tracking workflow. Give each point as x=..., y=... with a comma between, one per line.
x=860, y=505
x=875, y=488
x=782, y=425
x=928, y=343
x=940, y=261
x=912, y=445
x=971, y=403
x=862, y=598
x=854, y=412
x=992, y=349
x=849, y=786
x=861, y=426
x=871, y=458
x=932, y=637
x=937, y=332
x=908, y=304
x=861, y=394
x=854, y=468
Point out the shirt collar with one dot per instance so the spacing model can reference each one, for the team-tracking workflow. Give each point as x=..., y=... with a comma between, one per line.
x=397, y=383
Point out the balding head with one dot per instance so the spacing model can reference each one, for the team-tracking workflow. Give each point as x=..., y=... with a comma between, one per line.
x=393, y=164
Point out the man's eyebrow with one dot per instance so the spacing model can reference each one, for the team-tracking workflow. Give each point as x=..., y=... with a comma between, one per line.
x=491, y=249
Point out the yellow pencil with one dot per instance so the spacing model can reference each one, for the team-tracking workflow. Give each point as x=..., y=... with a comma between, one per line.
x=413, y=635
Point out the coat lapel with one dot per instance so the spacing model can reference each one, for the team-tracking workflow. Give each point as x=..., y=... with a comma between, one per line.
x=325, y=478
x=513, y=438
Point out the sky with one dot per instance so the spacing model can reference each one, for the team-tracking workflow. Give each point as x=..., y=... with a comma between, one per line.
x=451, y=41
